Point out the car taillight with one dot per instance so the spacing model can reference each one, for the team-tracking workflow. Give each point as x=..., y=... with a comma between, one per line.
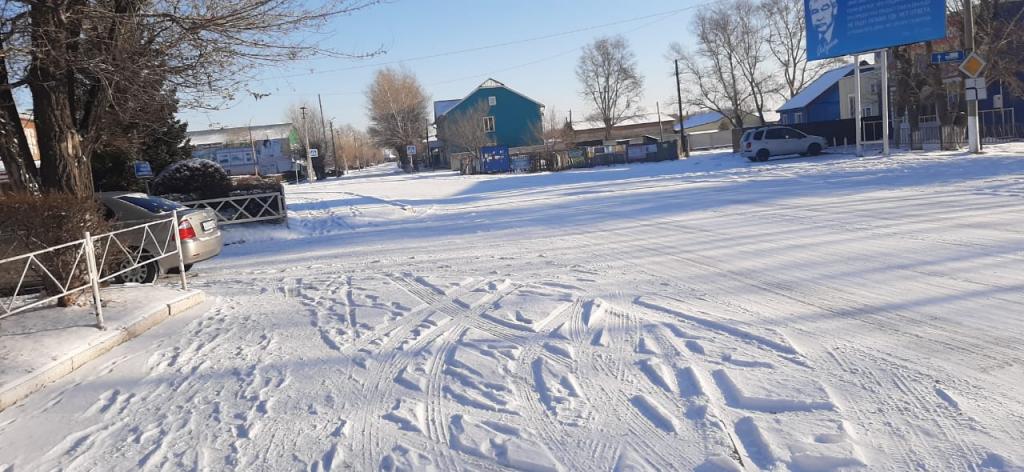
x=185, y=230
x=748, y=144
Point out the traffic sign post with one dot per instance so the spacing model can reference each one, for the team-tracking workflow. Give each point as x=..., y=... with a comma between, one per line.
x=410, y=150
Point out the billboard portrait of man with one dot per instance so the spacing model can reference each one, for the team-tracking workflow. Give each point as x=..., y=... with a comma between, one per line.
x=824, y=15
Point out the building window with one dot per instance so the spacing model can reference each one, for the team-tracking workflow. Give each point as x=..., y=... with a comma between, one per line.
x=492, y=101
x=798, y=117
x=853, y=106
x=868, y=112
x=489, y=124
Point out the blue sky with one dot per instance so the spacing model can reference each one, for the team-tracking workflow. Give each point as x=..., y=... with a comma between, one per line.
x=542, y=69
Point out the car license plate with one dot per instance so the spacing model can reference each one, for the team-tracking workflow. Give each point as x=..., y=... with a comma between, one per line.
x=209, y=225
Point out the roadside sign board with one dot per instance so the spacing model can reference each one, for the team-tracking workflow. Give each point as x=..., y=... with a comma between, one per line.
x=142, y=170
x=977, y=83
x=314, y=153
x=410, y=149
x=843, y=27
x=950, y=56
x=973, y=65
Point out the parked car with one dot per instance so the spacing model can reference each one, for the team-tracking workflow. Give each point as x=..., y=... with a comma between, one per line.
x=758, y=145
x=201, y=238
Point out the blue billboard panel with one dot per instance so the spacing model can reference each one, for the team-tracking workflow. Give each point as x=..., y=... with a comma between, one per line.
x=843, y=27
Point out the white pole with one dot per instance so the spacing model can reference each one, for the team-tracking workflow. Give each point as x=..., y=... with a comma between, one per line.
x=885, y=103
x=858, y=113
x=973, y=130
x=177, y=246
x=94, y=278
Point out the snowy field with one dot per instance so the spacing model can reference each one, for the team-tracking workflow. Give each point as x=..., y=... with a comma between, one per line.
x=830, y=313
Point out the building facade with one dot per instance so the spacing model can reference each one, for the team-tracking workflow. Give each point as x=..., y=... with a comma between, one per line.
x=240, y=151
x=511, y=118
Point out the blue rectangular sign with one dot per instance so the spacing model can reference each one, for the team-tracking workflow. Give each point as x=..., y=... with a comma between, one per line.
x=495, y=159
x=843, y=27
x=952, y=56
x=142, y=169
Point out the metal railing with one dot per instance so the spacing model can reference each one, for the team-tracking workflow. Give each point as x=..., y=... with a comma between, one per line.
x=118, y=252
x=244, y=209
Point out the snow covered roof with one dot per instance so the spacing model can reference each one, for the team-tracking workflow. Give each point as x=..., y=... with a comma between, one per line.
x=489, y=83
x=240, y=134
x=816, y=88
x=700, y=119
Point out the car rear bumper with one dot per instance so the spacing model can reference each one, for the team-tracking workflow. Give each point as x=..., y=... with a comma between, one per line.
x=196, y=250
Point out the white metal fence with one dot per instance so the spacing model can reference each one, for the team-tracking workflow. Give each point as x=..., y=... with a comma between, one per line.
x=37, y=278
x=244, y=209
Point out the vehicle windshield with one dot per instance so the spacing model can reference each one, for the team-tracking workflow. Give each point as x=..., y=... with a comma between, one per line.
x=155, y=205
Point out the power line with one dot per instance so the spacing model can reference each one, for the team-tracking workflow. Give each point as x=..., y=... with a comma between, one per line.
x=486, y=47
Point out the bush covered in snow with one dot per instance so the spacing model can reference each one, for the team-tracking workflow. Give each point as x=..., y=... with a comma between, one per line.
x=197, y=178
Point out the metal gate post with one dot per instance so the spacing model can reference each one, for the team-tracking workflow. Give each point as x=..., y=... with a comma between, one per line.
x=94, y=278
x=177, y=245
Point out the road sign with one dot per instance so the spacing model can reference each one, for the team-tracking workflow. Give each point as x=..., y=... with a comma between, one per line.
x=142, y=170
x=973, y=65
x=997, y=101
x=313, y=153
x=410, y=149
x=950, y=56
x=977, y=83
x=843, y=27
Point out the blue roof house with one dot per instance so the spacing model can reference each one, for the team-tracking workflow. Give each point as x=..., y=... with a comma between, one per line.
x=819, y=101
x=511, y=119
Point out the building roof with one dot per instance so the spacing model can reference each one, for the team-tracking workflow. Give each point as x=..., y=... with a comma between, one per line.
x=700, y=119
x=240, y=134
x=489, y=83
x=444, y=106
x=816, y=88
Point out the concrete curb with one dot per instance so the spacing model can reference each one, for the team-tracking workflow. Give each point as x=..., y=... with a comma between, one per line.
x=21, y=388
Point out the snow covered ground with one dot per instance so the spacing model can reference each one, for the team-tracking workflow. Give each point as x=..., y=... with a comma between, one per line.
x=821, y=313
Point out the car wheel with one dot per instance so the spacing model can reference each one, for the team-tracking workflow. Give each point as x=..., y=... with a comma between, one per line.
x=143, y=274
x=814, y=149
x=763, y=155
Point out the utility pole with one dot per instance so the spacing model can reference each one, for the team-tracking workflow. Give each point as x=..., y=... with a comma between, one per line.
x=309, y=160
x=252, y=146
x=323, y=128
x=973, y=128
x=679, y=98
x=334, y=152
x=426, y=145
x=661, y=126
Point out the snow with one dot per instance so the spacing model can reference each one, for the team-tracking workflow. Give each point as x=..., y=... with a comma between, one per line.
x=828, y=313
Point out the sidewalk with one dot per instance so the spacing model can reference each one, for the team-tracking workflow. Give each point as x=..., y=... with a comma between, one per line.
x=39, y=347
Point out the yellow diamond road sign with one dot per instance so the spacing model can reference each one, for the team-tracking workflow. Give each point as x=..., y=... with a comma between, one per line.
x=973, y=65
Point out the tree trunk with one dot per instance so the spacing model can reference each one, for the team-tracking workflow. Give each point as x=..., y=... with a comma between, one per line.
x=14, y=148
x=65, y=167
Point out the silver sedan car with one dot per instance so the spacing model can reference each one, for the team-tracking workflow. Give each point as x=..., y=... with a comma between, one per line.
x=201, y=238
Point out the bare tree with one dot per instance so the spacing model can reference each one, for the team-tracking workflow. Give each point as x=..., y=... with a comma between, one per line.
x=464, y=130
x=307, y=125
x=553, y=130
x=785, y=26
x=611, y=81
x=752, y=53
x=397, y=106
x=355, y=148
x=713, y=71
x=84, y=60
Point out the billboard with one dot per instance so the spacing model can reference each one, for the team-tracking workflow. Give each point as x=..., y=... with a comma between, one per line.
x=843, y=27
x=495, y=159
